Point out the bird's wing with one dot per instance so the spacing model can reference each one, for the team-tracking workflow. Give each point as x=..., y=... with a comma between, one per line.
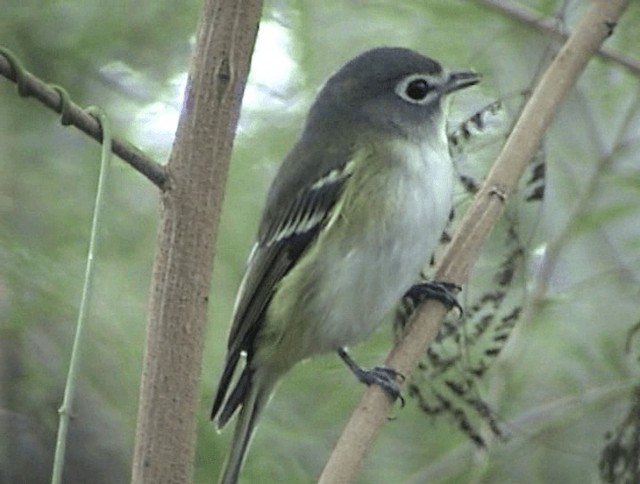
x=282, y=240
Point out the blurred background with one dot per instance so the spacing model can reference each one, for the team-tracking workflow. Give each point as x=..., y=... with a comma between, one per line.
x=563, y=381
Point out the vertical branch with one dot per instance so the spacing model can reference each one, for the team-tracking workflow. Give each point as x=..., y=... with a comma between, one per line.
x=197, y=169
x=358, y=436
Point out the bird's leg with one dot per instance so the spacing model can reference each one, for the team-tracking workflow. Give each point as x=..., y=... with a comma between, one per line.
x=383, y=376
x=445, y=292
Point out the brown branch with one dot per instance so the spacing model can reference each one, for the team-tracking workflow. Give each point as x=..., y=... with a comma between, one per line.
x=179, y=293
x=547, y=26
x=53, y=98
x=361, y=430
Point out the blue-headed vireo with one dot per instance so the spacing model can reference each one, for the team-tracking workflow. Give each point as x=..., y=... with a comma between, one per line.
x=354, y=212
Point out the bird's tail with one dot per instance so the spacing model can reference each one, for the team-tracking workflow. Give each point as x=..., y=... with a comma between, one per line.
x=254, y=402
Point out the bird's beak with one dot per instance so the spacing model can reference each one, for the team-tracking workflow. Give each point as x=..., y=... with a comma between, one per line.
x=460, y=79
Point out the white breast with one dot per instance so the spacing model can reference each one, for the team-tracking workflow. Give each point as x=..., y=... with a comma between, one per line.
x=408, y=211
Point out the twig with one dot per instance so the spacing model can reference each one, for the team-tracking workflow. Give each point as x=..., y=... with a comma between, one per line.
x=55, y=98
x=361, y=430
x=66, y=408
x=582, y=205
x=527, y=17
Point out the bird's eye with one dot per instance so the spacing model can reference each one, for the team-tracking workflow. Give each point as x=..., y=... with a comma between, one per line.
x=416, y=89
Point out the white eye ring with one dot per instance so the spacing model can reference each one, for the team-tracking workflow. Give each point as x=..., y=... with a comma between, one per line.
x=417, y=89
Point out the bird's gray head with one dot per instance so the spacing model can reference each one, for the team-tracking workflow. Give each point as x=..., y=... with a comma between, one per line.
x=387, y=90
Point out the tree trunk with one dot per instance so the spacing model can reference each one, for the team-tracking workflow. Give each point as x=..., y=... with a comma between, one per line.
x=190, y=208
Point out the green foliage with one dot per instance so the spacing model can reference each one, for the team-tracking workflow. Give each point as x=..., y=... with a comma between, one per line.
x=559, y=384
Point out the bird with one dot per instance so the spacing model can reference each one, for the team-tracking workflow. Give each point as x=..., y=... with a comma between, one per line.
x=354, y=212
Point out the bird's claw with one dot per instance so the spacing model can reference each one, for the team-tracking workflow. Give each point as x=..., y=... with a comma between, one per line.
x=386, y=378
x=442, y=291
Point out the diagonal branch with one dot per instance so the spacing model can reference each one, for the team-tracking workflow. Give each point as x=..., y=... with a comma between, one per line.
x=361, y=430
x=546, y=26
x=56, y=99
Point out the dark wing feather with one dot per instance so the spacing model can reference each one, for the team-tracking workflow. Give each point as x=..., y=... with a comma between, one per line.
x=281, y=243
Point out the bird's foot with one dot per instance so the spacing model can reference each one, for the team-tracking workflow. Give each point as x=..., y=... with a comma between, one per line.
x=442, y=291
x=383, y=376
